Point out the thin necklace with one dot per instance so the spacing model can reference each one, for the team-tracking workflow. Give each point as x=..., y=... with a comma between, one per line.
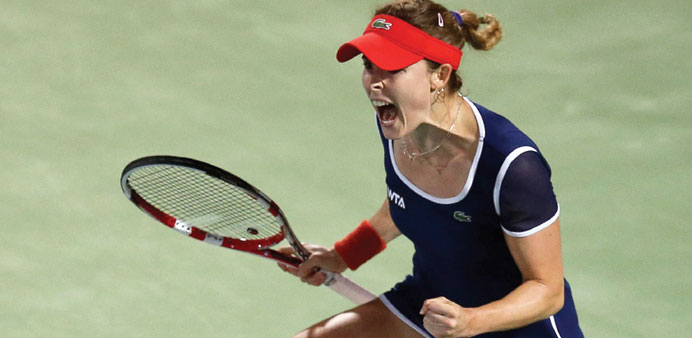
x=412, y=155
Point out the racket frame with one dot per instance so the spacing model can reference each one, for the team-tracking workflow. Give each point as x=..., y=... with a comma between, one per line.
x=336, y=282
x=256, y=247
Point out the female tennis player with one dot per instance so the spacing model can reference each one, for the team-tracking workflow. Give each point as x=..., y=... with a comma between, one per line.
x=469, y=189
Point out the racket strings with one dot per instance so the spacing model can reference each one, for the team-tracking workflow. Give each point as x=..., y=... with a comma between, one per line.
x=207, y=206
x=205, y=202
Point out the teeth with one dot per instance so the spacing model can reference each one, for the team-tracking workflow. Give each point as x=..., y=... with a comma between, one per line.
x=379, y=103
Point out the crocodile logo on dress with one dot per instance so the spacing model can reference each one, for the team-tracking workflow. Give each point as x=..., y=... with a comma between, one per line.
x=462, y=217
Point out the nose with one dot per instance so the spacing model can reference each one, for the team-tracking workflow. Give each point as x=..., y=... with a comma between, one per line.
x=375, y=78
x=377, y=85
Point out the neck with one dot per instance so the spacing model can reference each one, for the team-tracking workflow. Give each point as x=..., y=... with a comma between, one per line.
x=438, y=145
x=430, y=136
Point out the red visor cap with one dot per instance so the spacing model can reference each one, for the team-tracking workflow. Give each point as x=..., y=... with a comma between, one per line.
x=392, y=44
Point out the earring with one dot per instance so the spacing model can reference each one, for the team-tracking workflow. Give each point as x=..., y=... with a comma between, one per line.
x=439, y=95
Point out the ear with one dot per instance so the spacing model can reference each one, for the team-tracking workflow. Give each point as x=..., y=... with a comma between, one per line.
x=440, y=76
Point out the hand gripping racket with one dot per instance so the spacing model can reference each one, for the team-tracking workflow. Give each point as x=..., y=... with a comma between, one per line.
x=210, y=204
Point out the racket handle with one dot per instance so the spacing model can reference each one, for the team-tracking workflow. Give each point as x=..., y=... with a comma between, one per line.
x=348, y=288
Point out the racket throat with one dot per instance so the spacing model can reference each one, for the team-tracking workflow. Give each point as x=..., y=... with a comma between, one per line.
x=298, y=247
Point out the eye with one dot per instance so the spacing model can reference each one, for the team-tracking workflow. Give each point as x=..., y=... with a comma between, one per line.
x=366, y=63
x=396, y=71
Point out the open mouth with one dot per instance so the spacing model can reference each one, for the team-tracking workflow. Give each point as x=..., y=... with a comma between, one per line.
x=386, y=112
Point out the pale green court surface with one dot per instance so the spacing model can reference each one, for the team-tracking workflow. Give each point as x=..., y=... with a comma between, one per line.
x=253, y=87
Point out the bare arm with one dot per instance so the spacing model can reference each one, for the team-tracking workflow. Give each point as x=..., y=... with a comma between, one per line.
x=540, y=295
x=383, y=223
x=327, y=258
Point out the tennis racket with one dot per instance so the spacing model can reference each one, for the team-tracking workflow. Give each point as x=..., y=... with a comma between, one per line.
x=212, y=205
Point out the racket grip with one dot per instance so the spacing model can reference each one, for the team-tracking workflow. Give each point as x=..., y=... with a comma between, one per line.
x=348, y=288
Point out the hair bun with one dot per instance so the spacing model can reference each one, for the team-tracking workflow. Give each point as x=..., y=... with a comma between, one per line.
x=481, y=38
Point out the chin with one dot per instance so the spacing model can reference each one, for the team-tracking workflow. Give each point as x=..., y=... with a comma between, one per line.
x=391, y=133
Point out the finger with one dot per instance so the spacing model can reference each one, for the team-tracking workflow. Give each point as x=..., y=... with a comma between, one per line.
x=282, y=267
x=316, y=262
x=429, y=303
x=307, y=268
x=437, y=319
x=424, y=309
x=441, y=306
x=287, y=268
x=308, y=271
x=314, y=248
x=286, y=250
x=316, y=279
x=438, y=325
x=325, y=258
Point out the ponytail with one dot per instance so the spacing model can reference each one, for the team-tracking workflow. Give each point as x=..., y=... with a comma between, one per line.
x=482, y=33
x=481, y=39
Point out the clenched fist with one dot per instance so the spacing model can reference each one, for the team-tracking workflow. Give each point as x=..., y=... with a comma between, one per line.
x=444, y=318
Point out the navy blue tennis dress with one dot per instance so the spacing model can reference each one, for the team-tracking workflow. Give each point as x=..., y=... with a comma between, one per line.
x=460, y=252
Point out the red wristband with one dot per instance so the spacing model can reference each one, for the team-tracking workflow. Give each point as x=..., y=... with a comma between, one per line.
x=360, y=245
